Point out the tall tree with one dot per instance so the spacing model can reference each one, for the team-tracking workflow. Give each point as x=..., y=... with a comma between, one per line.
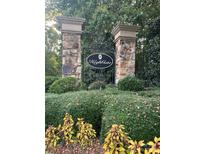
x=102, y=15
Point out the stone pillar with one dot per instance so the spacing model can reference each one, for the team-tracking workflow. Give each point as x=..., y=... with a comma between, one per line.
x=71, y=30
x=125, y=42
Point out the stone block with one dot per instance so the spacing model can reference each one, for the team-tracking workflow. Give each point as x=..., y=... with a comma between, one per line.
x=71, y=29
x=125, y=38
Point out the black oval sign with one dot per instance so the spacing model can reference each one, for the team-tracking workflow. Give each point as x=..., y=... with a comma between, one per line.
x=99, y=60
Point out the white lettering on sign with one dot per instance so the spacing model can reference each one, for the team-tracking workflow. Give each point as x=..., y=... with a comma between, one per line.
x=99, y=60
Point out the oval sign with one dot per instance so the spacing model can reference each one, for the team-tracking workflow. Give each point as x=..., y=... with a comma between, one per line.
x=99, y=60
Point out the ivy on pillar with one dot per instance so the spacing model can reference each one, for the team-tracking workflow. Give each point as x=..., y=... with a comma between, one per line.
x=71, y=30
x=125, y=42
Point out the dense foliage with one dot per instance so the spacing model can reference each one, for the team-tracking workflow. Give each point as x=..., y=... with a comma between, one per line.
x=85, y=134
x=150, y=62
x=62, y=138
x=52, y=64
x=52, y=51
x=64, y=85
x=136, y=113
x=131, y=83
x=87, y=104
x=52, y=137
x=66, y=130
x=139, y=113
x=101, y=16
x=64, y=134
x=116, y=140
x=49, y=81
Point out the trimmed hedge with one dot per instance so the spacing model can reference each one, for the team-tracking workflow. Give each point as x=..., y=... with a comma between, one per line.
x=97, y=85
x=48, y=81
x=64, y=85
x=131, y=83
x=139, y=113
x=153, y=92
x=83, y=104
x=53, y=112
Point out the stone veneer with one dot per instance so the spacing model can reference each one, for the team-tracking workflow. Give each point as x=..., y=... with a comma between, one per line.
x=125, y=42
x=71, y=30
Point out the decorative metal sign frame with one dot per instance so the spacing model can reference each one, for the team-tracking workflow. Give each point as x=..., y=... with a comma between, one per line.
x=99, y=60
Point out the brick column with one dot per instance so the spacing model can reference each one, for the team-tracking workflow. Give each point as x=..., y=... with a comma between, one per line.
x=71, y=30
x=125, y=42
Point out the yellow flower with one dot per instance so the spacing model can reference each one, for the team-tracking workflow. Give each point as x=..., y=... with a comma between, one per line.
x=135, y=147
x=155, y=146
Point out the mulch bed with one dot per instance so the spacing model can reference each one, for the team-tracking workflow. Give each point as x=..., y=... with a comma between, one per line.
x=96, y=148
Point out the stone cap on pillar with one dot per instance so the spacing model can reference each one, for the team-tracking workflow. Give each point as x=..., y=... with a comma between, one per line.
x=124, y=31
x=70, y=24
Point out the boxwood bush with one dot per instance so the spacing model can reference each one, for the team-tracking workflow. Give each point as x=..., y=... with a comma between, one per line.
x=139, y=113
x=131, y=83
x=53, y=110
x=140, y=116
x=48, y=81
x=64, y=85
x=82, y=104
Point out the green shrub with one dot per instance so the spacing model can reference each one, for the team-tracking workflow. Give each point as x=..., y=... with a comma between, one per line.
x=48, y=81
x=53, y=112
x=86, y=104
x=64, y=85
x=131, y=83
x=154, y=92
x=110, y=86
x=97, y=85
x=139, y=115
